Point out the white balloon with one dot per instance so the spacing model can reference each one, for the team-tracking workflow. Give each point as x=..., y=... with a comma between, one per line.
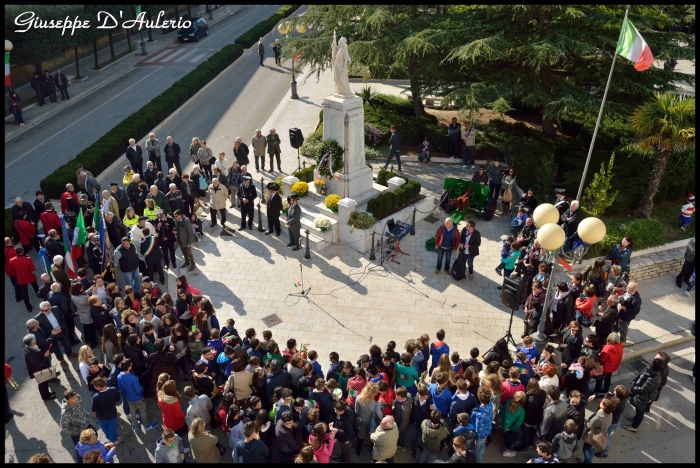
x=551, y=236
x=591, y=230
x=544, y=214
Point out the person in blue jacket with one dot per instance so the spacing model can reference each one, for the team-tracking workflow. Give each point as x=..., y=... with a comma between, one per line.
x=438, y=348
x=133, y=390
x=89, y=442
x=622, y=254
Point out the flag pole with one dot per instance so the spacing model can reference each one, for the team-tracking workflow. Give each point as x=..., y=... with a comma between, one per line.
x=600, y=113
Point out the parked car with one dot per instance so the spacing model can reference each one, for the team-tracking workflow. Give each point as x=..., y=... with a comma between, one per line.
x=197, y=29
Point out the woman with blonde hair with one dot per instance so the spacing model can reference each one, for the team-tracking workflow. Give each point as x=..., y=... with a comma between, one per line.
x=494, y=382
x=203, y=443
x=169, y=403
x=445, y=366
x=88, y=442
x=513, y=417
x=111, y=344
x=84, y=354
x=366, y=408
x=306, y=455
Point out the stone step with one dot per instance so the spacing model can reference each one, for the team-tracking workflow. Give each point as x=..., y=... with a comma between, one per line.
x=318, y=240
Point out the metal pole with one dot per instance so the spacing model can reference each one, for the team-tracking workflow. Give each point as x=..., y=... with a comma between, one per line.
x=600, y=114
x=304, y=164
x=539, y=337
x=307, y=255
x=211, y=12
x=294, y=83
x=260, y=225
x=262, y=189
x=143, y=44
x=413, y=222
x=371, y=252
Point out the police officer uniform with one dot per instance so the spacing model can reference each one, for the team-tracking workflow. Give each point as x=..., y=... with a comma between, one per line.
x=247, y=209
x=562, y=205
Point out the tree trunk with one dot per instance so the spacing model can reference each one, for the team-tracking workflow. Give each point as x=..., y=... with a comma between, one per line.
x=111, y=45
x=655, y=179
x=128, y=39
x=77, y=64
x=415, y=86
x=548, y=127
x=94, y=48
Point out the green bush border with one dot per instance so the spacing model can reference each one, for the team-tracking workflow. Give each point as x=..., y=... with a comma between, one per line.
x=101, y=154
x=382, y=204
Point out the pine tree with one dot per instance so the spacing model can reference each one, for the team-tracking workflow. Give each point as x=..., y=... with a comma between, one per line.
x=598, y=196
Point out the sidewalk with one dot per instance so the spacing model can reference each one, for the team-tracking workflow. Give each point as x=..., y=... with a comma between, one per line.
x=92, y=80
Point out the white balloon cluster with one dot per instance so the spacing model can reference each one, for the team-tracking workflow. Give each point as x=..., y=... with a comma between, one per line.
x=551, y=236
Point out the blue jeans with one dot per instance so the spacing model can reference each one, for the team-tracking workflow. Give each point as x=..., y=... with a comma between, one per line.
x=588, y=451
x=427, y=456
x=402, y=438
x=446, y=253
x=416, y=441
x=125, y=404
x=109, y=427
x=470, y=263
x=610, y=431
x=412, y=390
x=133, y=278
x=479, y=449
x=683, y=221
x=391, y=155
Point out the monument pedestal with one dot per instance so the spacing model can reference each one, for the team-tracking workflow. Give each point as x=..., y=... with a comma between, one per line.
x=344, y=121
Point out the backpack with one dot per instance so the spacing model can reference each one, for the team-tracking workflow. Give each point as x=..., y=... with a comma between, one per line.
x=203, y=183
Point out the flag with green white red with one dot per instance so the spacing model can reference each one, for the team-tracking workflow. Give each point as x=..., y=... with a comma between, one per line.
x=632, y=46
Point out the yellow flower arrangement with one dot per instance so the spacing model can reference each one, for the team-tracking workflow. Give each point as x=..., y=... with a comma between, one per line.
x=318, y=182
x=332, y=201
x=300, y=188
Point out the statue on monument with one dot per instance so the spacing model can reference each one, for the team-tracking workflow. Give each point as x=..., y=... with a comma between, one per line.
x=340, y=59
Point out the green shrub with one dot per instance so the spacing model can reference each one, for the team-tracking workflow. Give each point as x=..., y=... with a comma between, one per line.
x=10, y=226
x=312, y=143
x=645, y=233
x=382, y=177
x=400, y=196
x=376, y=152
x=361, y=220
x=393, y=200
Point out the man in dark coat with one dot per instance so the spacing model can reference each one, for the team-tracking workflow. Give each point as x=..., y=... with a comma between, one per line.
x=165, y=228
x=561, y=204
x=62, y=84
x=273, y=149
x=277, y=49
x=345, y=423
x=122, y=198
x=471, y=239
x=294, y=221
x=247, y=195
x=134, y=154
x=160, y=199
x=261, y=51
x=274, y=208
x=39, y=204
x=133, y=192
x=49, y=86
x=604, y=316
x=454, y=132
x=394, y=147
x=175, y=199
x=570, y=225
x=115, y=229
x=240, y=152
x=152, y=255
x=23, y=206
x=53, y=245
x=150, y=175
x=53, y=324
x=38, y=86
x=93, y=254
x=172, y=155
x=36, y=361
x=58, y=299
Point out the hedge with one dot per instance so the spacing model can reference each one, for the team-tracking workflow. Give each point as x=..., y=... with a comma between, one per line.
x=306, y=175
x=101, y=154
x=388, y=201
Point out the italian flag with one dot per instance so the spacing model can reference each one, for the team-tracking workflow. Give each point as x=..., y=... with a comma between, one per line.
x=67, y=249
x=8, y=80
x=632, y=46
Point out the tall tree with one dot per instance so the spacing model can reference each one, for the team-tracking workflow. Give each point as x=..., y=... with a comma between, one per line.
x=556, y=58
x=666, y=124
x=389, y=39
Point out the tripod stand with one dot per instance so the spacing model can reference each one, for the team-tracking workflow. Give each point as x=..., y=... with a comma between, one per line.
x=508, y=336
x=304, y=292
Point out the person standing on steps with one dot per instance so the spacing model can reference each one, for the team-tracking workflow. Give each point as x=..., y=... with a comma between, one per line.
x=259, y=144
x=247, y=194
x=62, y=84
x=261, y=51
x=294, y=221
x=469, y=139
x=274, y=208
x=273, y=149
x=172, y=155
x=49, y=86
x=471, y=239
x=38, y=87
x=453, y=136
x=134, y=154
x=394, y=147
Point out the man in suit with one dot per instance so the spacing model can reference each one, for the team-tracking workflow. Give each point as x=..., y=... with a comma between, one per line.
x=115, y=229
x=36, y=361
x=49, y=86
x=294, y=221
x=59, y=274
x=57, y=298
x=471, y=238
x=273, y=149
x=152, y=255
x=261, y=51
x=38, y=87
x=150, y=175
x=562, y=205
x=394, y=147
x=153, y=148
x=570, y=225
x=53, y=245
x=172, y=155
x=247, y=194
x=274, y=208
x=134, y=154
x=62, y=84
x=52, y=323
x=20, y=206
x=44, y=339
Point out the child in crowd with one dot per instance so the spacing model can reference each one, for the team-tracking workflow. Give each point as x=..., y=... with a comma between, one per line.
x=529, y=349
x=438, y=348
x=215, y=342
x=195, y=345
x=456, y=365
x=544, y=450
x=82, y=278
x=267, y=336
x=313, y=357
x=391, y=349
x=387, y=367
x=96, y=370
x=402, y=414
x=687, y=211
x=229, y=329
x=506, y=250
x=525, y=367
x=473, y=360
x=564, y=443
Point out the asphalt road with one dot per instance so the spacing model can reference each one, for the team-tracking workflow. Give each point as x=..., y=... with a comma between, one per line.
x=35, y=154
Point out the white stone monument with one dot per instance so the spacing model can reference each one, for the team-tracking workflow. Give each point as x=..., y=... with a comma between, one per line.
x=344, y=121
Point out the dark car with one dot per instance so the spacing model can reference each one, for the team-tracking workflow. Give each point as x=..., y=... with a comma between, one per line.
x=198, y=29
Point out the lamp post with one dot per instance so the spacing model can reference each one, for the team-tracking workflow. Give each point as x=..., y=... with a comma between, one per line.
x=8, y=79
x=142, y=43
x=551, y=237
x=285, y=29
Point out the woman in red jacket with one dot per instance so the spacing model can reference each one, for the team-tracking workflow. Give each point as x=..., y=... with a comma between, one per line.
x=584, y=305
x=610, y=357
x=50, y=219
x=22, y=268
x=169, y=404
x=27, y=232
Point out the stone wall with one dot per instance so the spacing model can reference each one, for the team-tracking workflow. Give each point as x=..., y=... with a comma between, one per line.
x=656, y=264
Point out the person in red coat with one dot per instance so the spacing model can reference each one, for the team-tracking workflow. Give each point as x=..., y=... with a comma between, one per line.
x=169, y=404
x=50, y=219
x=22, y=267
x=27, y=232
x=69, y=200
x=610, y=357
x=446, y=242
x=8, y=411
x=11, y=253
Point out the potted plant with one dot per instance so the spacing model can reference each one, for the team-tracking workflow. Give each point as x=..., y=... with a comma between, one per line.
x=300, y=188
x=319, y=185
x=322, y=223
x=285, y=205
x=332, y=202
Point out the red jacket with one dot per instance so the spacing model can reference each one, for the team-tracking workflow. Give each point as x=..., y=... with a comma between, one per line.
x=611, y=357
x=50, y=220
x=26, y=231
x=586, y=305
x=439, y=237
x=387, y=398
x=64, y=201
x=23, y=268
x=508, y=389
x=10, y=253
x=173, y=417
x=8, y=372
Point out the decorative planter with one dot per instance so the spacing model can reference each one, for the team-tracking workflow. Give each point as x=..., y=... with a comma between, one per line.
x=323, y=229
x=284, y=211
x=334, y=210
x=301, y=195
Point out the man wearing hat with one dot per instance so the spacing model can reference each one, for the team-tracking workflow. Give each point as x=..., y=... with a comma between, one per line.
x=122, y=198
x=165, y=228
x=294, y=221
x=274, y=208
x=562, y=205
x=88, y=208
x=480, y=177
x=218, y=194
x=246, y=194
x=152, y=255
x=128, y=260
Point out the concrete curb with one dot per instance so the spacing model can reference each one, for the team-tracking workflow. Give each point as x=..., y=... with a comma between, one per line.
x=46, y=115
x=661, y=342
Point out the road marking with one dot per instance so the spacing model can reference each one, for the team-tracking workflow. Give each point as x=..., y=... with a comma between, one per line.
x=199, y=57
x=222, y=30
x=80, y=119
x=158, y=55
x=193, y=51
x=174, y=54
